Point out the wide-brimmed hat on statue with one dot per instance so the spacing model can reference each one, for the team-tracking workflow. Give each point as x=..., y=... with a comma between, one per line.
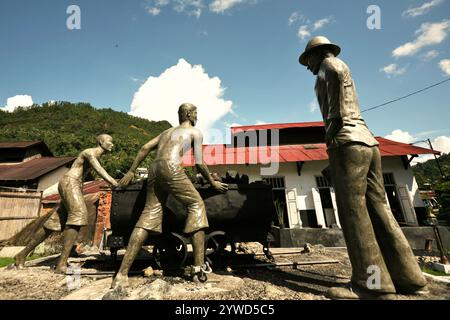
x=317, y=42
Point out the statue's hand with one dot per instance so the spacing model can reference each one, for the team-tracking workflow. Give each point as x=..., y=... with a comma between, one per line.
x=126, y=179
x=115, y=184
x=219, y=186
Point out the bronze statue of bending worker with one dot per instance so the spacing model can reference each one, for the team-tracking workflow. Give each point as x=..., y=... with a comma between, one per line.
x=166, y=175
x=72, y=213
x=375, y=242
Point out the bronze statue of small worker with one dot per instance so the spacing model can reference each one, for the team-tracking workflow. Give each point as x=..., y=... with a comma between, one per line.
x=166, y=175
x=375, y=242
x=72, y=213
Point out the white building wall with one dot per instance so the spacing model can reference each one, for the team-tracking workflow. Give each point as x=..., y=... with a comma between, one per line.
x=304, y=183
x=403, y=177
x=51, y=178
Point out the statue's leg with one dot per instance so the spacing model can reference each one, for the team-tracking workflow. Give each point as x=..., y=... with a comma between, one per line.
x=399, y=257
x=135, y=244
x=349, y=168
x=70, y=235
x=198, y=247
x=40, y=235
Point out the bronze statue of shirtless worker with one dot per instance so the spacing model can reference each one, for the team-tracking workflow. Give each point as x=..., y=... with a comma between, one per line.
x=166, y=175
x=72, y=213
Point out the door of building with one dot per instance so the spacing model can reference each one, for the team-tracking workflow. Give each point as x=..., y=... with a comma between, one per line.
x=293, y=212
x=408, y=209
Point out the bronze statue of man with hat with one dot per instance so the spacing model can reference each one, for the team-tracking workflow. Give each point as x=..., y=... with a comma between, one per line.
x=375, y=242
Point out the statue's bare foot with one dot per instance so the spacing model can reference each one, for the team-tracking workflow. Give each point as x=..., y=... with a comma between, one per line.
x=19, y=262
x=118, y=289
x=120, y=281
x=61, y=269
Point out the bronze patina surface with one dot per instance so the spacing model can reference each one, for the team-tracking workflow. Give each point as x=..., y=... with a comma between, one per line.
x=166, y=175
x=72, y=212
x=373, y=237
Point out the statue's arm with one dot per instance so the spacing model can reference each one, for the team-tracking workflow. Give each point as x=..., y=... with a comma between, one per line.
x=142, y=154
x=99, y=169
x=334, y=121
x=202, y=167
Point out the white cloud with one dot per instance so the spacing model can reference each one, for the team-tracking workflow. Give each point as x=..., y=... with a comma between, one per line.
x=445, y=66
x=400, y=136
x=159, y=97
x=305, y=30
x=424, y=8
x=430, y=55
x=154, y=11
x=162, y=3
x=135, y=79
x=220, y=6
x=190, y=7
x=313, y=106
x=427, y=35
x=193, y=7
x=296, y=16
x=441, y=143
x=17, y=101
x=393, y=70
x=260, y=122
x=233, y=124
x=319, y=24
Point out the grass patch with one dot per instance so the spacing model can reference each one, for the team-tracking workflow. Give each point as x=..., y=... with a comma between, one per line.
x=434, y=272
x=7, y=261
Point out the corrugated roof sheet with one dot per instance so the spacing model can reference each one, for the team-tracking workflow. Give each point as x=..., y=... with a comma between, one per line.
x=222, y=154
x=277, y=126
x=25, y=145
x=32, y=169
x=18, y=144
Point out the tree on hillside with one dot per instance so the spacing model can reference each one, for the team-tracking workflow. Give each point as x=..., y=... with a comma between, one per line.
x=67, y=128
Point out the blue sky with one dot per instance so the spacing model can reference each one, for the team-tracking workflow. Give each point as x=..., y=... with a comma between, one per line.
x=247, y=50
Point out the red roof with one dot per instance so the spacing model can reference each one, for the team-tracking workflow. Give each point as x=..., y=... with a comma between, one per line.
x=32, y=169
x=222, y=154
x=277, y=126
x=88, y=187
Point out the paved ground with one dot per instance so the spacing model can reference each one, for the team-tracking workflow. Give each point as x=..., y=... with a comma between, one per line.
x=307, y=282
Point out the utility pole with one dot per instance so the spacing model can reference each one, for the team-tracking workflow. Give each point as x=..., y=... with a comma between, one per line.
x=436, y=158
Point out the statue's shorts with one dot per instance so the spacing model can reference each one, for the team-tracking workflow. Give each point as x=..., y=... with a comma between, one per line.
x=72, y=210
x=167, y=177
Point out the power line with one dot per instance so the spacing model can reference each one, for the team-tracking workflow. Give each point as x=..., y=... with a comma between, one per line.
x=408, y=95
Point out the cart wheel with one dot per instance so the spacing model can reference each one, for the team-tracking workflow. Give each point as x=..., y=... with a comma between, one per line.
x=201, y=277
x=170, y=251
x=218, y=244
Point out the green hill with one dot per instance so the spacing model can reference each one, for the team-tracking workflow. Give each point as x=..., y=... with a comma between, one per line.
x=428, y=172
x=67, y=128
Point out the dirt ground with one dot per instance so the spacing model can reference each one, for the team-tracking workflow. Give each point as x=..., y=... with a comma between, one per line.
x=307, y=282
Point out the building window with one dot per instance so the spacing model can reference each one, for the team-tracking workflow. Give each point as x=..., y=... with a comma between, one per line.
x=277, y=183
x=322, y=182
x=388, y=179
x=326, y=202
x=392, y=197
x=279, y=196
